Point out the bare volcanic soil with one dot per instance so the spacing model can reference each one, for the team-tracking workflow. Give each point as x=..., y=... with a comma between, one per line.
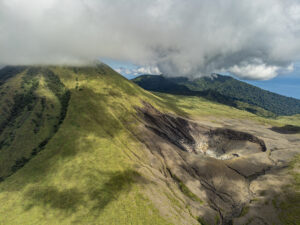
x=192, y=137
x=221, y=171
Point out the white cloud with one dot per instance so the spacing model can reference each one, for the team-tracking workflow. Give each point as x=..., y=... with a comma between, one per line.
x=138, y=70
x=180, y=38
x=148, y=70
x=255, y=72
x=119, y=70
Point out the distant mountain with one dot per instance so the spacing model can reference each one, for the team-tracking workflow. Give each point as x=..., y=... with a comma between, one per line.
x=84, y=145
x=226, y=90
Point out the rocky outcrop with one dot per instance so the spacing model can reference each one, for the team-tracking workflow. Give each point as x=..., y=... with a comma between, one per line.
x=174, y=129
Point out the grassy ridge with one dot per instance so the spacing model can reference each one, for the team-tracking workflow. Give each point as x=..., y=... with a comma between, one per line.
x=31, y=113
x=85, y=174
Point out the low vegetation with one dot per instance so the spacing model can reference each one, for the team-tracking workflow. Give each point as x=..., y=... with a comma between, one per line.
x=196, y=107
x=289, y=204
x=185, y=190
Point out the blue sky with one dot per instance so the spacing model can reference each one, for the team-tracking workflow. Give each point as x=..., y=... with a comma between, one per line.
x=130, y=70
x=116, y=65
x=284, y=84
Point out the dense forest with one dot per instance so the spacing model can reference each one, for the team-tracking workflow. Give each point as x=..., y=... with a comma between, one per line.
x=223, y=89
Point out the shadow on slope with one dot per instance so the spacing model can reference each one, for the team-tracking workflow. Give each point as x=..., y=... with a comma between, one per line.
x=30, y=121
x=101, y=194
x=191, y=137
x=91, y=126
x=287, y=129
x=164, y=85
x=178, y=86
x=74, y=136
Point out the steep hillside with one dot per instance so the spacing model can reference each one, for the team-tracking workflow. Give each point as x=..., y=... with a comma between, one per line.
x=69, y=158
x=224, y=89
x=33, y=105
x=83, y=145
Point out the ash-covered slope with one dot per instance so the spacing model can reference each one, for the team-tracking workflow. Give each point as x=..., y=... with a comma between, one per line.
x=83, y=145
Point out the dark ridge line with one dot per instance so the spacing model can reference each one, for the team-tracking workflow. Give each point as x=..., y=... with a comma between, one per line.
x=20, y=102
x=20, y=163
x=10, y=71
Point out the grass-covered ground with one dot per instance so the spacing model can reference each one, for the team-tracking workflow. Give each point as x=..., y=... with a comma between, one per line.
x=289, y=204
x=196, y=107
x=30, y=114
x=86, y=173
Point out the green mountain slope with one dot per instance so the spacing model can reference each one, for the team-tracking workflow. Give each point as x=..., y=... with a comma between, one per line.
x=83, y=145
x=74, y=167
x=224, y=89
x=34, y=104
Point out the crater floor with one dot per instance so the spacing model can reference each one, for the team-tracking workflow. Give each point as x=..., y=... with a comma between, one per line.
x=237, y=167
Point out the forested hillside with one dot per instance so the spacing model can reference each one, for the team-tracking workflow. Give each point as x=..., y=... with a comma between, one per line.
x=223, y=89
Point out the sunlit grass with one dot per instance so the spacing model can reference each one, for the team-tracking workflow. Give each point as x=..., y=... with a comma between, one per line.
x=196, y=107
x=86, y=174
x=289, y=205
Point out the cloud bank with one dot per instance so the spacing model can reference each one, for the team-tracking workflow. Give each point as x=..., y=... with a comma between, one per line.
x=138, y=70
x=254, y=39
